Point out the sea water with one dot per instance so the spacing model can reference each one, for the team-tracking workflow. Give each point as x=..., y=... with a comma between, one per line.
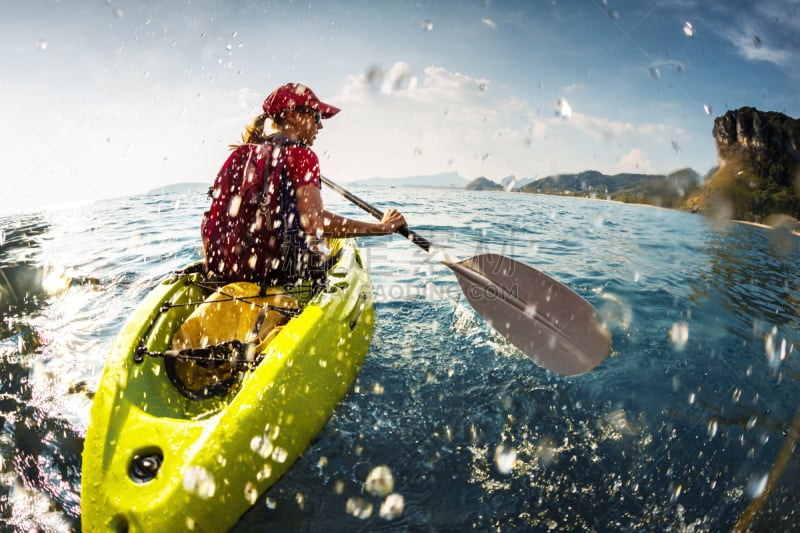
x=689, y=425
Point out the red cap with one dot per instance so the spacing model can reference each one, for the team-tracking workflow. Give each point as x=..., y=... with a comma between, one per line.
x=291, y=95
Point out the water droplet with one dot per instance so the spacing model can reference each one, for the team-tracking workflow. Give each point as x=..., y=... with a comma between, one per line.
x=264, y=473
x=261, y=445
x=250, y=492
x=338, y=487
x=679, y=335
x=756, y=485
x=774, y=354
x=392, y=507
x=546, y=450
x=688, y=29
x=707, y=109
x=505, y=457
x=41, y=44
x=199, y=481
x=676, y=493
x=655, y=72
x=380, y=481
x=737, y=395
x=713, y=426
x=359, y=507
x=563, y=109
x=279, y=454
x=692, y=398
x=676, y=147
x=427, y=25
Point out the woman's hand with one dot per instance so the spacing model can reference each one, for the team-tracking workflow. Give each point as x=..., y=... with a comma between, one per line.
x=393, y=220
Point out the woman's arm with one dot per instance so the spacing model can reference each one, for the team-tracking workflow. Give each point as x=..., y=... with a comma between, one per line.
x=318, y=221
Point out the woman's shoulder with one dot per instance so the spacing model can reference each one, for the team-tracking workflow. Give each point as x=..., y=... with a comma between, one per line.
x=301, y=153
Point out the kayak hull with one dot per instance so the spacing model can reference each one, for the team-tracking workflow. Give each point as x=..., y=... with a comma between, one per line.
x=217, y=455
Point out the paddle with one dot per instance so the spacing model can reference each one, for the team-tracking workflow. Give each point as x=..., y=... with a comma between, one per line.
x=547, y=321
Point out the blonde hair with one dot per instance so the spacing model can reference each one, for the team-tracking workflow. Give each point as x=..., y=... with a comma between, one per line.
x=254, y=133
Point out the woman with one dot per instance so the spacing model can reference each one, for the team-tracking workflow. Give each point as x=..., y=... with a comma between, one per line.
x=296, y=210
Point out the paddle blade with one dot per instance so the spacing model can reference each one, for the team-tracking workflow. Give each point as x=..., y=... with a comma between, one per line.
x=550, y=323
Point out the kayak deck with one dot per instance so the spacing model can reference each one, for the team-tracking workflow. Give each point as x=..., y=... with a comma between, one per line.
x=208, y=460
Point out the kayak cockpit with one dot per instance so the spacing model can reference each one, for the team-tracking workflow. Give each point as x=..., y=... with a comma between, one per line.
x=207, y=335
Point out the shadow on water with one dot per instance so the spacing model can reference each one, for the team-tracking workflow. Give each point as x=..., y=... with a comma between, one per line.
x=749, y=267
x=750, y=293
x=39, y=452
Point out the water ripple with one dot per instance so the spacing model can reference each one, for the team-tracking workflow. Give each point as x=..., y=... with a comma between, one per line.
x=663, y=435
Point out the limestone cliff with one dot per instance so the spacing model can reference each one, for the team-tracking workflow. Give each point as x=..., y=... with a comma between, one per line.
x=758, y=133
x=759, y=167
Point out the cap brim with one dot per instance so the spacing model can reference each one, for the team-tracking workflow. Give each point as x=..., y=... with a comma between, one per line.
x=327, y=111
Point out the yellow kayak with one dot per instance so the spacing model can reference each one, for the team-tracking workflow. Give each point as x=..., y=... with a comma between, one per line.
x=210, y=393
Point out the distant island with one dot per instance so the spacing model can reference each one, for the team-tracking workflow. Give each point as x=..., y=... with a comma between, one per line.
x=757, y=177
x=189, y=186
x=671, y=190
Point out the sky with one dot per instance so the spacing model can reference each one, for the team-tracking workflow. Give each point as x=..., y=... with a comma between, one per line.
x=109, y=98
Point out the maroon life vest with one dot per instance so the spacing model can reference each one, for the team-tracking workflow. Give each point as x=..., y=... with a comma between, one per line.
x=245, y=227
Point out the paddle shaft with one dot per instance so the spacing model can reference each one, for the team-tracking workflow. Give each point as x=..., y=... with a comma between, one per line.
x=413, y=236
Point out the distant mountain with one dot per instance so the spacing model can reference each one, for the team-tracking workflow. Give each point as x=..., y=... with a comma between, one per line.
x=511, y=182
x=188, y=186
x=445, y=180
x=483, y=184
x=670, y=190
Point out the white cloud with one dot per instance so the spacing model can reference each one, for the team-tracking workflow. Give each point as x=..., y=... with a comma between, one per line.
x=603, y=129
x=398, y=78
x=750, y=46
x=446, y=118
x=635, y=161
x=514, y=104
x=449, y=121
x=563, y=109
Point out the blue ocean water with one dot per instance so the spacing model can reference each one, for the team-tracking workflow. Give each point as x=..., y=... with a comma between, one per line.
x=689, y=425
